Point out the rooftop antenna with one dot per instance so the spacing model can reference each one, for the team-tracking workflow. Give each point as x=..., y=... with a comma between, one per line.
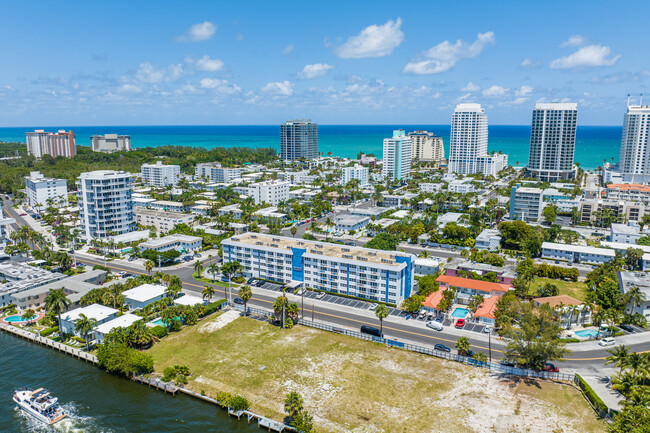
x=628, y=99
x=641, y=100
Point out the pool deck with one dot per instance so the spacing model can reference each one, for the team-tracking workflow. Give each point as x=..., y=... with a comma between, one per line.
x=39, y=316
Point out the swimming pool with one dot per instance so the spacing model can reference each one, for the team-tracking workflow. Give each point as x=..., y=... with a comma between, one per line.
x=158, y=322
x=18, y=319
x=587, y=333
x=460, y=313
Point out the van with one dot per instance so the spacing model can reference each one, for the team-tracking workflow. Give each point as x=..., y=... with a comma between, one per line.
x=371, y=330
x=435, y=325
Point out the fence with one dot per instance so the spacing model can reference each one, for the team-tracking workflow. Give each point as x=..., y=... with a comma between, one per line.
x=493, y=366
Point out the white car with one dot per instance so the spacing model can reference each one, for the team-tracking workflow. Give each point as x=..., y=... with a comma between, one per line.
x=320, y=295
x=434, y=325
x=373, y=307
x=487, y=329
x=608, y=341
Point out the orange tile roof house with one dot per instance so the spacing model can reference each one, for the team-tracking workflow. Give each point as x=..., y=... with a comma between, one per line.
x=485, y=312
x=467, y=287
x=432, y=301
x=554, y=301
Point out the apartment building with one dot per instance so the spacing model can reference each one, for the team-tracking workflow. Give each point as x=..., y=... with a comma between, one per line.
x=164, y=221
x=376, y=275
x=298, y=140
x=41, y=190
x=176, y=242
x=397, y=156
x=61, y=143
x=109, y=143
x=358, y=172
x=427, y=146
x=214, y=172
x=634, y=158
x=629, y=192
x=461, y=186
x=271, y=192
x=627, y=280
x=160, y=175
x=553, y=141
x=526, y=203
x=105, y=203
x=592, y=210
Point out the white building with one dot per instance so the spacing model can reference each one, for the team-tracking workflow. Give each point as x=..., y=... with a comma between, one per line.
x=625, y=233
x=468, y=143
x=627, y=280
x=109, y=143
x=461, y=186
x=141, y=296
x=348, y=223
x=271, y=192
x=553, y=141
x=577, y=253
x=526, y=203
x=216, y=173
x=98, y=312
x=488, y=239
x=629, y=192
x=377, y=275
x=163, y=221
x=40, y=189
x=358, y=172
x=124, y=321
x=160, y=175
x=397, y=156
x=427, y=146
x=174, y=242
x=169, y=206
x=105, y=203
x=427, y=266
x=41, y=143
x=430, y=187
x=634, y=158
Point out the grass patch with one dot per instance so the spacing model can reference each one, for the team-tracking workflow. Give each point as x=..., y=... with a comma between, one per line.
x=348, y=383
x=214, y=283
x=576, y=290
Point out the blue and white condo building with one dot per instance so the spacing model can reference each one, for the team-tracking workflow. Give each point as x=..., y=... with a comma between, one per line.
x=377, y=275
x=397, y=156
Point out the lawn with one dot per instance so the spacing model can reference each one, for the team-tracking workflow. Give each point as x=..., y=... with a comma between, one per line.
x=353, y=385
x=577, y=290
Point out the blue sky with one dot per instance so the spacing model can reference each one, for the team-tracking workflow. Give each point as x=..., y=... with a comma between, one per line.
x=380, y=62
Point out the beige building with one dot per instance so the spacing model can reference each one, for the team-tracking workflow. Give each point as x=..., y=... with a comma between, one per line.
x=591, y=210
x=163, y=221
x=427, y=146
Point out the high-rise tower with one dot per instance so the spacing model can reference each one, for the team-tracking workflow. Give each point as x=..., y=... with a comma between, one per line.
x=634, y=159
x=298, y=139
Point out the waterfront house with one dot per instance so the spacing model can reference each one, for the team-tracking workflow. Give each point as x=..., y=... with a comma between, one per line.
x=189, y=300
x=124, y=321
x=100, y=313
x=141, y=296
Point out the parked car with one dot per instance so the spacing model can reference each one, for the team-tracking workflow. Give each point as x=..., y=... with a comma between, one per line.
x=460, y=324
x=435, y=325
x=373, y=307
x=239, y=301
x=607, y=341
x=22, y=214
x=132, y=258
x=627, y=328
x=442, y=348
x=487, y=329
x=550, y=367
x=320, y=295
x=507, y=364
x=351, y=243
x=371, y=330
x=300, y=291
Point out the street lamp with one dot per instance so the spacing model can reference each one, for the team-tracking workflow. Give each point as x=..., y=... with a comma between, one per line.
x=490, y=345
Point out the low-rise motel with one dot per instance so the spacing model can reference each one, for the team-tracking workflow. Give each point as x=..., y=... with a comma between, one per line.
x=377, y=275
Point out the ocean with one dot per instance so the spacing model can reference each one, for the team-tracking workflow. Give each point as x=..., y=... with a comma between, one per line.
x=98, y=402
x=594, y=144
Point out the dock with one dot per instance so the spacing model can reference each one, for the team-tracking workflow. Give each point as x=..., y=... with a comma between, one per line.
x=35, y=338
x=155, y=382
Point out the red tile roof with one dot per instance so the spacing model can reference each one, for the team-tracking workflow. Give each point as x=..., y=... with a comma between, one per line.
x=487, y=308
x=468, y=283
x=629, y=187
x=434, y=299
x=554, y=301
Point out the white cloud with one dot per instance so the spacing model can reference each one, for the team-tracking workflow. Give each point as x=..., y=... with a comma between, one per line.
x=205, y=63
x=315, y=70
x=286, y=51
x=495, y=91
x=129, y=88
x=471, y=87
x=281, y=88
x=574, y=41
x=220, y=86
x=147, y=73
x=445, y=55
x=524, y=90
x=586, y=57
x=530, y=64
x=373, y=41
x=198, y=32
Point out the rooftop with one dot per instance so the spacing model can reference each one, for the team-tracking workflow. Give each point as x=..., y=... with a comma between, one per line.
x=170, y=239
x=578, y=249
x=124, y=321
x=554, y=301
x=144, y=292
x=625, y=229
x=188, y=300
x=468, y=283
x=629, y=187
x=486, y=309
x=93, y=311
x=387, y=258
x=161, y=213
x=635, y=279
x=349, y=220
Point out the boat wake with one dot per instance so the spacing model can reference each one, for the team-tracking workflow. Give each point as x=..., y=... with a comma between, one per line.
x=73, y=423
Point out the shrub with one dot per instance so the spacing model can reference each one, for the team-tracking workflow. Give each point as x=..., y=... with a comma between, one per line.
x=598, y=404
x=159, y=331
x=119, y=358
x=49, y=331
x=78, y=339
x=238, y=280
x=169, y=373
x=101, y=268
x=237, y=403
x=223, y=398
x=288, y=323
x=212, y=307
x=176, y=326
x=182, y=369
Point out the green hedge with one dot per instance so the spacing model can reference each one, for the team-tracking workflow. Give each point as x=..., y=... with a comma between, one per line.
x=213, y=307
x=389, y=304
x=159, y=331
x=598, y=404
x=49, y=331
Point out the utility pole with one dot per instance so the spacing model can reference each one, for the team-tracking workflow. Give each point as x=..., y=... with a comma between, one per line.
x=312, y=311
x=490, y=345
x=302, y=308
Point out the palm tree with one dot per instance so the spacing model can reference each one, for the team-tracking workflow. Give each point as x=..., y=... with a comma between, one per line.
x=149, y=265
x=480, y=357
x=245, y=293
x=618, y=356
x=463, y=346
x=213, y=269
x=425, y=254
x=198, y=268
x=293, y=404
x=56, y=302
x=175, y=286
x=635, y=297
x=625, y=382
x=381, y=312
x=166, y=278
x=208, y=292
x=168, y=315
x=140, y=334
x=29, y=315
x=84, y=325
x=293, y=231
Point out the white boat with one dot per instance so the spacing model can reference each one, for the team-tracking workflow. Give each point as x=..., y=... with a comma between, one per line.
x=39, y=404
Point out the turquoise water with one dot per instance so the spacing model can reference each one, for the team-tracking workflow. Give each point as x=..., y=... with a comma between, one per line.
x=587, y=333
x=461, y=313
x=593, y=143
x=158, y=322
x=18, y=319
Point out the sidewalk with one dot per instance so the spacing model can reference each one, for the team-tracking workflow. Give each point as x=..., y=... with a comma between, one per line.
x=600, y=384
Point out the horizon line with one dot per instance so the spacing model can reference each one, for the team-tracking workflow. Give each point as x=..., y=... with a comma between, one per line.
x=278, y=125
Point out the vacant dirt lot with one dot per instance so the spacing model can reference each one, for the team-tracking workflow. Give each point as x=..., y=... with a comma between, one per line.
x=352, y=385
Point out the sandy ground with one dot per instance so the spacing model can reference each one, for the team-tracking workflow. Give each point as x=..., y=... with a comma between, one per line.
x=220, y=321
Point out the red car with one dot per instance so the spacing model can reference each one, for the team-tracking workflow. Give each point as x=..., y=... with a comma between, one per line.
x=460, y=323
x=550, y=367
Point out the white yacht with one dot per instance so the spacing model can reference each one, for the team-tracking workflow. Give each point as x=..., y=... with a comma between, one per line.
x=40, y=404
